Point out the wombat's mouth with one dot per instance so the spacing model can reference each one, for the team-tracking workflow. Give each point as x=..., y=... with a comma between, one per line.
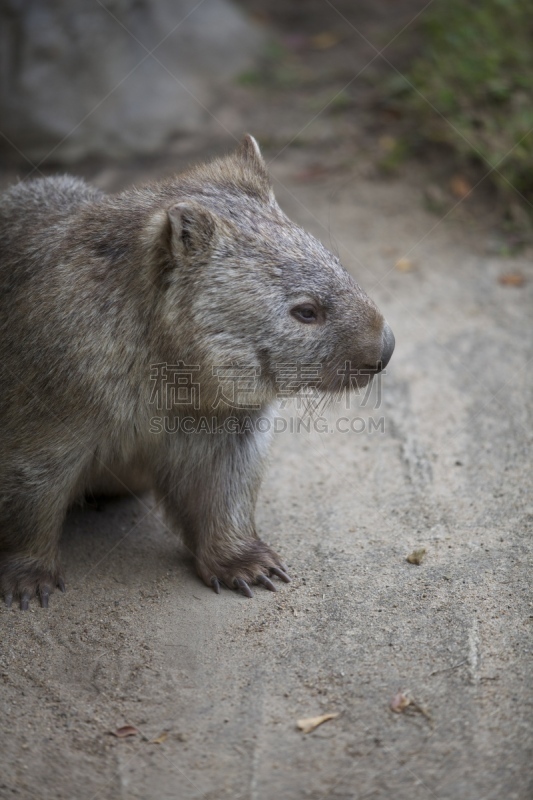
x=349, y=378
x=338, y=388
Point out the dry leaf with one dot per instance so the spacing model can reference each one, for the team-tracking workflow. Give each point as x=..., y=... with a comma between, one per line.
x=399, y=702
x=512, y=279
x=460, y=186
x=404, y=265
x=323, y=41
x=161, y=738
x=310, y=723
x=126, y=730
x=417, y=556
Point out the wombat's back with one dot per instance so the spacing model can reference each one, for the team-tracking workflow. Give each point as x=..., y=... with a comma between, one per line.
x=42, y=200
x=32, y=222
x=38, y=281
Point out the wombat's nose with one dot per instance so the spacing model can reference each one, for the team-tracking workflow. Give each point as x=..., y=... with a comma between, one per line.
x=388, y=346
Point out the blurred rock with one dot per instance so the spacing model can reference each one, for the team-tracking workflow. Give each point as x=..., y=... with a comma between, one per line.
x=77, y=78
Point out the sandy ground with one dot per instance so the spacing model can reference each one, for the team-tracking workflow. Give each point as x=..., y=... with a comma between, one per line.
x=220, y=681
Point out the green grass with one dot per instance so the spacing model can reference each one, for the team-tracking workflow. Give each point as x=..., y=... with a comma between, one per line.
x=472, y=86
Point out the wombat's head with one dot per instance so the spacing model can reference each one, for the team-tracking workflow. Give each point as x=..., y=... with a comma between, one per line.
x=255, y=290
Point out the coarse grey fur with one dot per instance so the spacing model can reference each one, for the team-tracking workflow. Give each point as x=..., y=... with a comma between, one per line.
x=202, y=270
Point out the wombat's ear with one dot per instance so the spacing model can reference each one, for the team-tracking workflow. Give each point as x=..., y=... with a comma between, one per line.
x=255, y=173
x=249, y=152
x=192, y=228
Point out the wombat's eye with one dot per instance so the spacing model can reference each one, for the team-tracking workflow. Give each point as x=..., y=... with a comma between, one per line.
x=305, y=313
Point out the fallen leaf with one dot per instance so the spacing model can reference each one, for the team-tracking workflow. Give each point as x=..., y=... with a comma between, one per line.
x=404, y=265
x=310, y=723
x=512, y=279
x=126, y=730
x=323, y=41
x=161, y=738
x=460, y=186
x=399, y=702
x=417, y=556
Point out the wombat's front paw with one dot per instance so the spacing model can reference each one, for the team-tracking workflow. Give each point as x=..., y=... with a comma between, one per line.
x=22, y=579
x=256, y=563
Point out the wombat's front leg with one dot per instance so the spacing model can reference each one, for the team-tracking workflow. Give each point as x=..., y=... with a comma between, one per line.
x=210, y=492
x=30, y=528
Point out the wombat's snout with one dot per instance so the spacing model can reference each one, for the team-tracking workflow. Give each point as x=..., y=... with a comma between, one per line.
x=388, y=346
x=387, y=349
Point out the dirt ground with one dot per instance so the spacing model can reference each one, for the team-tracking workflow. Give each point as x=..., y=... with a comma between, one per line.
x=438, y=457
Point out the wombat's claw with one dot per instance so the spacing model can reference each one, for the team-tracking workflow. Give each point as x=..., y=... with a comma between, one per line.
x=266, y=582
x=241, y=584
x=280, y=573
x=256, y=564
x=41, y=589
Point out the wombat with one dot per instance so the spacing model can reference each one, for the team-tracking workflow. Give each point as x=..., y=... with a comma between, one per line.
x=115, y=307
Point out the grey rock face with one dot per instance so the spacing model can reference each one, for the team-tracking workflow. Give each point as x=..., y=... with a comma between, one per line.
x=115, y=77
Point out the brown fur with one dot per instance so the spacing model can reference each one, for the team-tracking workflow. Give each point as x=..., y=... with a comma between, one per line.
x=204, y=269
